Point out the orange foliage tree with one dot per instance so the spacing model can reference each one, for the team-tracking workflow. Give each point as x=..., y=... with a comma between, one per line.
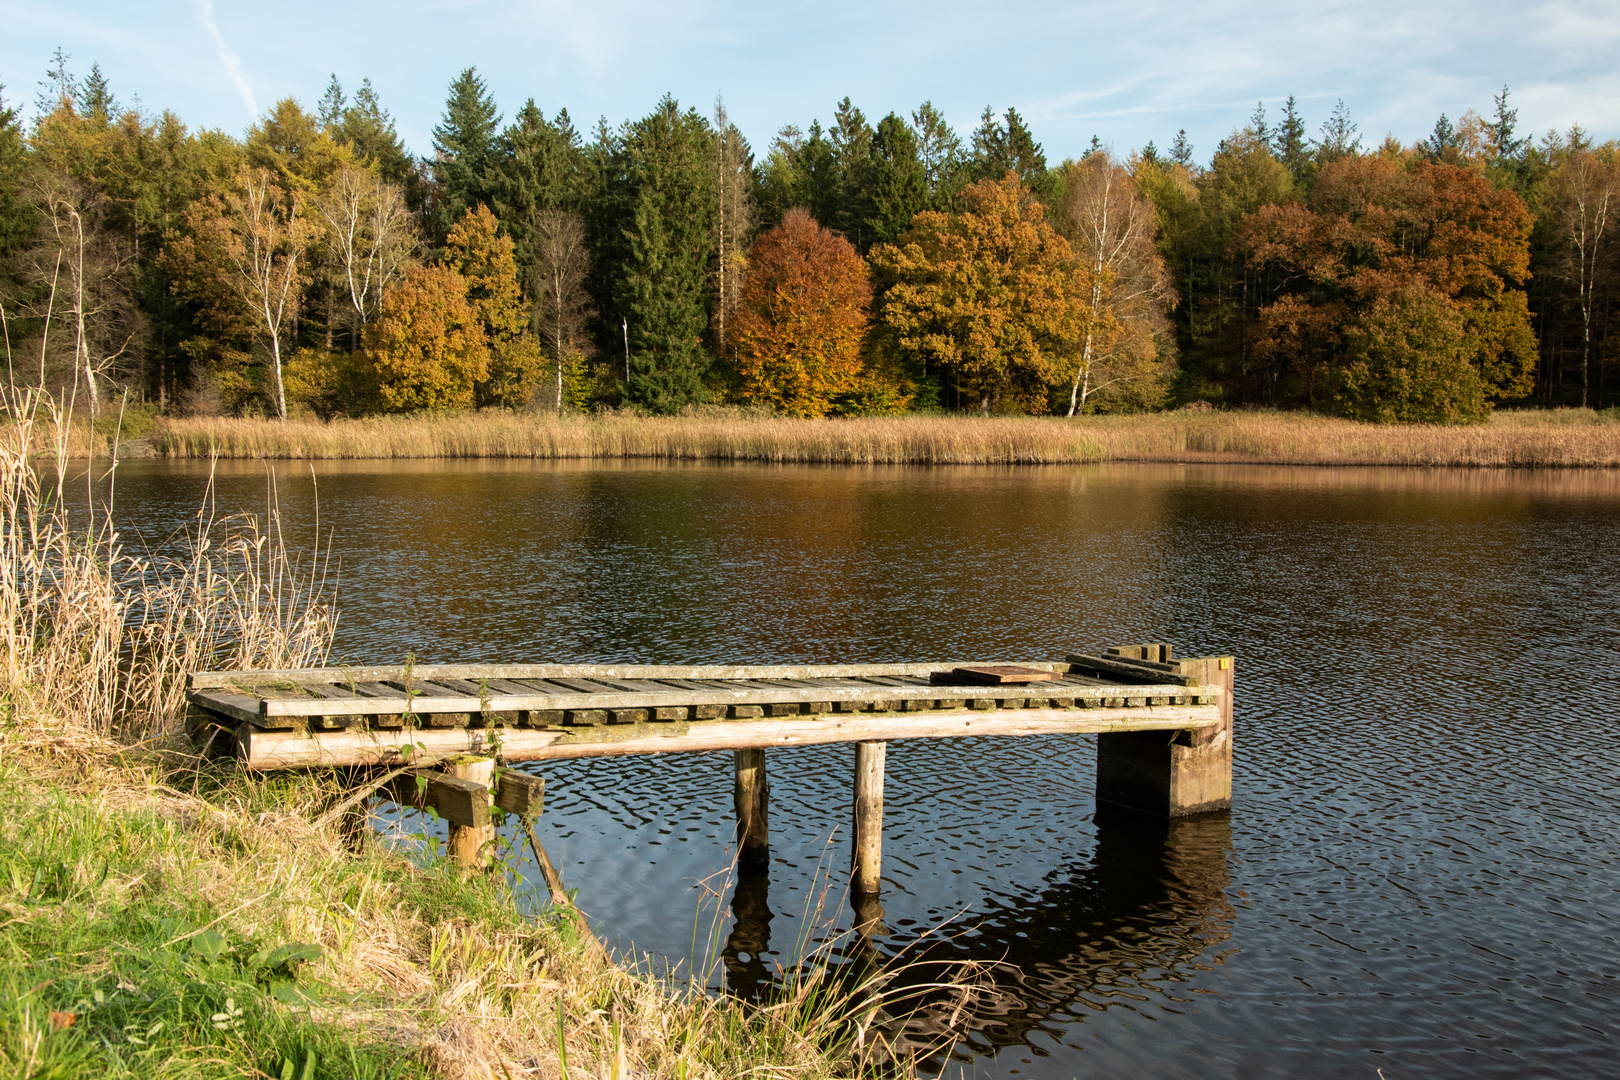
x=1376, y=244
x=796, y=335
x=990, y=298
x=485, y=260
x=427, y=348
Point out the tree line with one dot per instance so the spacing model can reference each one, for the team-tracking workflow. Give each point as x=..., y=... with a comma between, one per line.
x=316, y=266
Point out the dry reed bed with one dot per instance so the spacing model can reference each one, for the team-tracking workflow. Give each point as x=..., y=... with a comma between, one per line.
x=1556, y=439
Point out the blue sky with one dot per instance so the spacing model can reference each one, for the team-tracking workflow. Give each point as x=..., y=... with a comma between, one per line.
x=1127, y=71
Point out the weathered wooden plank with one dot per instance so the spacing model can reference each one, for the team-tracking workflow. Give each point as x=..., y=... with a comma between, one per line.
x=230, y=706
x=988, y=675
x=279, y=750
x=1129, y=670
x=519, y=793
x=342, y=676
x=458, y=801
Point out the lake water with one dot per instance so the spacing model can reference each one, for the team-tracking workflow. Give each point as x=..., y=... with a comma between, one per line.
x=1419, y=871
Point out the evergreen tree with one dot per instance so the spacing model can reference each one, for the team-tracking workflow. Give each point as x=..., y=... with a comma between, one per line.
x=1181, y=150
x=16, y=221
x=1511, y=166
x=899, y=184
x=662, y=286
x=369, y=129
x=1339, y=138
x=1441, y=145
x=95, y=100
x=851, y=139
x=1257, y=123
x=535, y=168
x=58, y=87
x=940, y=153
x=465, y=144
x=332, y=105
x=1288, y=142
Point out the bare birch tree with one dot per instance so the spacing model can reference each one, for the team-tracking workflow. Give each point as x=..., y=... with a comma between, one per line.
x=561, y=266
x=1109, y=223
x=264, y=234
x=369, y=230
x=1585, y=190
x=734, y=216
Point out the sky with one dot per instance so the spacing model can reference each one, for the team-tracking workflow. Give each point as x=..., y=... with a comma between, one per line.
x=1128, y=72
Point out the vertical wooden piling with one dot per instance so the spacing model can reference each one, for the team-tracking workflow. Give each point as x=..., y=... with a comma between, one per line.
x=1171, y=774
x=867, y=861
x=467, y=841
x=751, y=796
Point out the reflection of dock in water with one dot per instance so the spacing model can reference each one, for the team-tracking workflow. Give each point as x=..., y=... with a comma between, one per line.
x=1141, y=917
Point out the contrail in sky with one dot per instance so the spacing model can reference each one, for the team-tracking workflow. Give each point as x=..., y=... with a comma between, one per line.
x=227, y=55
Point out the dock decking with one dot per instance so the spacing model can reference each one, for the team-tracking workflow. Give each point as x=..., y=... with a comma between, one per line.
x=1164, y=724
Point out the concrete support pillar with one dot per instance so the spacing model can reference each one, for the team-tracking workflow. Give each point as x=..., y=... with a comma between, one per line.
x=1171, y=774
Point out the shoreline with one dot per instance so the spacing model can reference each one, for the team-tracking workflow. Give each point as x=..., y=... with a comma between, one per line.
x=1557, y=439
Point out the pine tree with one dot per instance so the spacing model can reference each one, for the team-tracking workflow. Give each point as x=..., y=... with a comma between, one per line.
x=1441, y=145
x=369, y=128
x=939, y=151
x=1257, y=122
x=1339, y=138
x=465, y=144
x=851, y=139
x=535, y=168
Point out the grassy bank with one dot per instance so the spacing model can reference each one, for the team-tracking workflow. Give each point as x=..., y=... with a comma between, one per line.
x=1557, y=439
x=166, y=916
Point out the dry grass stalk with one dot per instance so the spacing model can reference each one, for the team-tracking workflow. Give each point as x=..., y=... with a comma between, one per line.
x=1564, y=438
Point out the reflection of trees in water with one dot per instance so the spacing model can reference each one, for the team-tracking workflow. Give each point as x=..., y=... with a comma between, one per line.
x=1140, y=920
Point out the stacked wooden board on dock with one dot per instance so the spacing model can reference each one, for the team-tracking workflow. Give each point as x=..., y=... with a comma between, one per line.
x=366, y=715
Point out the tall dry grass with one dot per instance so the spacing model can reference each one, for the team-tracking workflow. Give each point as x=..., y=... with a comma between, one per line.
x=104, y=633
x=1550, y=439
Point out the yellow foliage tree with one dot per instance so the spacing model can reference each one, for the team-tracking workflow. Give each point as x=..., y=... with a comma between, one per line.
x=989, y=297
x=427, y=349
x=486, y=262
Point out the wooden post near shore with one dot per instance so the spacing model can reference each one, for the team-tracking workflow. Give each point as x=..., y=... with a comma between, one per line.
x=867, y=860
x=751, y=796
x=467, y=841
x=1171, y=774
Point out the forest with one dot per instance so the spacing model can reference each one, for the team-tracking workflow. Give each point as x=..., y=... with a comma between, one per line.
x=317, y=267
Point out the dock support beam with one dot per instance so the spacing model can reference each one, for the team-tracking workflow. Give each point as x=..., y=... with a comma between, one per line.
x=1171, y=774
x=751, y=794
x=867, y=862
x=467, y=841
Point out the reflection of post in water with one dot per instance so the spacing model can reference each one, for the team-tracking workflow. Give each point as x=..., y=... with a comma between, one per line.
x=1144, y=914
x=750, y=935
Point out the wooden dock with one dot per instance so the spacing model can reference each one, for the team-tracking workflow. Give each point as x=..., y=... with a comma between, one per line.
x=1164, y=724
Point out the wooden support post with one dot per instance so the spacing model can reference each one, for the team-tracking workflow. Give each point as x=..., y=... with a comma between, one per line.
x=1172, y=774
x=467, y=841
x=867, y=862
x=751, y=796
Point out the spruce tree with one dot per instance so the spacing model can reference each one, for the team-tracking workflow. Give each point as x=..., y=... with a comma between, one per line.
x=330, y=109
x=1288, y=142
x=369, y=128
x=16, y=220
x=95, y=99
x=465, y=141
x=662, y=288
x=899, y=186
x=535, y=168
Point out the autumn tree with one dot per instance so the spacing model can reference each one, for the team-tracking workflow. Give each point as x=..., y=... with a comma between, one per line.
x=558, y=278
x=1377, y=237
x=1110, y=225
x=427, y=348
x=988, y=298
x=796, y=337
x=484, y=259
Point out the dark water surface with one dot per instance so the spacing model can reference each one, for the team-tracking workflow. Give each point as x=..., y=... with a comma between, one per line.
x=1419, y=873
